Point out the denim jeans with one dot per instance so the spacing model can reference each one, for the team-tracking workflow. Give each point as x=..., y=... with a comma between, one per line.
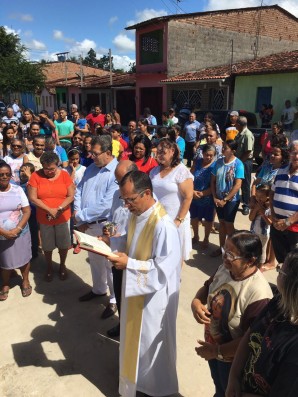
x=220, y=374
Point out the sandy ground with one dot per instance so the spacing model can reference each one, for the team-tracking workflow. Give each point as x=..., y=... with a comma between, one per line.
x=52, y=345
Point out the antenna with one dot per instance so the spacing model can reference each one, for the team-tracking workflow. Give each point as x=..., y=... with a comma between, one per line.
x=258, y=29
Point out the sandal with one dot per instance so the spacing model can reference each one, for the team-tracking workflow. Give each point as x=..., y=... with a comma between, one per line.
x=26, y=291
x=4, y=295
x=49, y=277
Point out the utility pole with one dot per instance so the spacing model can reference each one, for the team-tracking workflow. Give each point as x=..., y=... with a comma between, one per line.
x=111, y=79
x=81, y=70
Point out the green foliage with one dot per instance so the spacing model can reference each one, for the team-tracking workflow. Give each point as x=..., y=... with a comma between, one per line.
x=17, y=74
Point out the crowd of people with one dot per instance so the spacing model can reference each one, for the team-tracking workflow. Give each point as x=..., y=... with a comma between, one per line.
x=147, y=191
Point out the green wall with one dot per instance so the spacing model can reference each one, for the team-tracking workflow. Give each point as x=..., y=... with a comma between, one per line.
x=284, y=86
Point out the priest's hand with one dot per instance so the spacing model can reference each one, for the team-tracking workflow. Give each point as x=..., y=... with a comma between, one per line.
x=120, y=262
x=206, y=350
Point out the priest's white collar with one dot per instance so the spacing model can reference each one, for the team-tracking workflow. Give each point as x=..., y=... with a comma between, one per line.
x=146, y=214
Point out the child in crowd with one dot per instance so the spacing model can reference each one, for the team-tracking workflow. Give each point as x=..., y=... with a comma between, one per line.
x=261, y=221
x=76, y=172
x=26, y=171
x=74, y=168
x=117, y=141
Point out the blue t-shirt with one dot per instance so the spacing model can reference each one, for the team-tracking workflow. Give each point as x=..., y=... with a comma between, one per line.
x=202, y=181
x=267, y=174
x=181, y=144
x=226, y=175
x=191, y=130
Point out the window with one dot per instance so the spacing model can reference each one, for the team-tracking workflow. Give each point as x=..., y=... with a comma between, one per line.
x=50, y=100
x=64, y=97
x=47, y=101
x=263, y=97
x=151, y=47
x=73, y=98
x=216, y=99
x=192, y=97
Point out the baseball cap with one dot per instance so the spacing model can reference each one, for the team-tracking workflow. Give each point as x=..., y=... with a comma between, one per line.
x=234, y=113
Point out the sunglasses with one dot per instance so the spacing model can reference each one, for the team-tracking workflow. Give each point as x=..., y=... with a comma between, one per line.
x=17, y=146
x=8, y=174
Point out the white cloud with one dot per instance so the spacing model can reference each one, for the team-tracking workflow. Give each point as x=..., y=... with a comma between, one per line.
x=26, y=17
x=10, y=30
x=289, y=5
x=28, y=33
x=22, y=17
x=144, y=15
x=36, y=45
x=123, y=43
x=112, y=20
x=122, y=62
x=59, y=35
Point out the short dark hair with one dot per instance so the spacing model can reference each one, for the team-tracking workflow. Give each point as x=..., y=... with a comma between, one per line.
x=232, y=143
x=141, y=181
x=73, y=152
x=116, y=127
x=105, y=142
x=166, y=143
x=3, y=164
x=63, y=108
x=49, y=158
x=248, y=244
x=36, y=137
x=30, y=165
x=162, y=132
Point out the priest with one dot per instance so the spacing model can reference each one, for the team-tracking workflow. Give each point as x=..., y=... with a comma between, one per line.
x=150, y=293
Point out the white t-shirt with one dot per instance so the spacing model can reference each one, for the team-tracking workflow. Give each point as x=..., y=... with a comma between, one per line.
x=289, y=115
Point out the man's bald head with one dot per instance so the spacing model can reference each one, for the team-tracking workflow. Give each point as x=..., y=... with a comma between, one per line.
x=123, y=168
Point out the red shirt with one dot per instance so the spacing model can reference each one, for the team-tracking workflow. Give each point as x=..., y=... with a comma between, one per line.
x=124, y=143
x=151, y=163
x=92, y=119
x=52, y=193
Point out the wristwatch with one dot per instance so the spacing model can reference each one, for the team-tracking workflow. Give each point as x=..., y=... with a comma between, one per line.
x=287, y=222
x=219, y=355
x=226, y=200
x=181, y=220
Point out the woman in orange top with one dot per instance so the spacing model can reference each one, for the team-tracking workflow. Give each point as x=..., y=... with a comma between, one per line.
x=51, y=190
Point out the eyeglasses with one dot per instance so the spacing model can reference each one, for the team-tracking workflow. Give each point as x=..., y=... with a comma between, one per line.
x=17, y=146
x=96, y=154
x=130, y=200
x=278, y=269
x=229, y=256
x=8, y=174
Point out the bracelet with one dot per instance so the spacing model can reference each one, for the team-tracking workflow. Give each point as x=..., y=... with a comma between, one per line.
x=19, y=227
x=181, y=220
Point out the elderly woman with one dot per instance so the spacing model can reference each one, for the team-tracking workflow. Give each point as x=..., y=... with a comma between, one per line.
x=173, y=186
x=266, y=360
x=38, y=149
x=15, y=240
x=228, y=303
x=15, y=158
x=51, y=190
x=141, y=154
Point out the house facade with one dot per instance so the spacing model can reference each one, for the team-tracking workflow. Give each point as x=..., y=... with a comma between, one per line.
x=171, y=45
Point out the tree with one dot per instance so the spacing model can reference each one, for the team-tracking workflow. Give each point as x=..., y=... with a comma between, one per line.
x=132, y=68
x=90, y=59
x=17, y=73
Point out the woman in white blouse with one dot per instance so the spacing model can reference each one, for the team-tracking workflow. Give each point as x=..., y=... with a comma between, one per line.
x=173, y=186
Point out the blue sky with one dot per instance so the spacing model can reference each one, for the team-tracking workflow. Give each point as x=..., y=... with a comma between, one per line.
x=48, y=27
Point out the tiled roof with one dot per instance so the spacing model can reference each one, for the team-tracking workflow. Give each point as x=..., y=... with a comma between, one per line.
x=118, y=80
x=56, y=71
x=197, y=15
x=275, y=63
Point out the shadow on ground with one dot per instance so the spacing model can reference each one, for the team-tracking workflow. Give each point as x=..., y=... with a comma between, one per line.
x=203, y=261
x=78, y=331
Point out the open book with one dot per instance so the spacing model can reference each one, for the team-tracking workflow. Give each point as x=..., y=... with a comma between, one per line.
x=92, y=244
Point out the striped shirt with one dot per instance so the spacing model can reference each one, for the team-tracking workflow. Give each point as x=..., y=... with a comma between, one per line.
x=285, y=198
